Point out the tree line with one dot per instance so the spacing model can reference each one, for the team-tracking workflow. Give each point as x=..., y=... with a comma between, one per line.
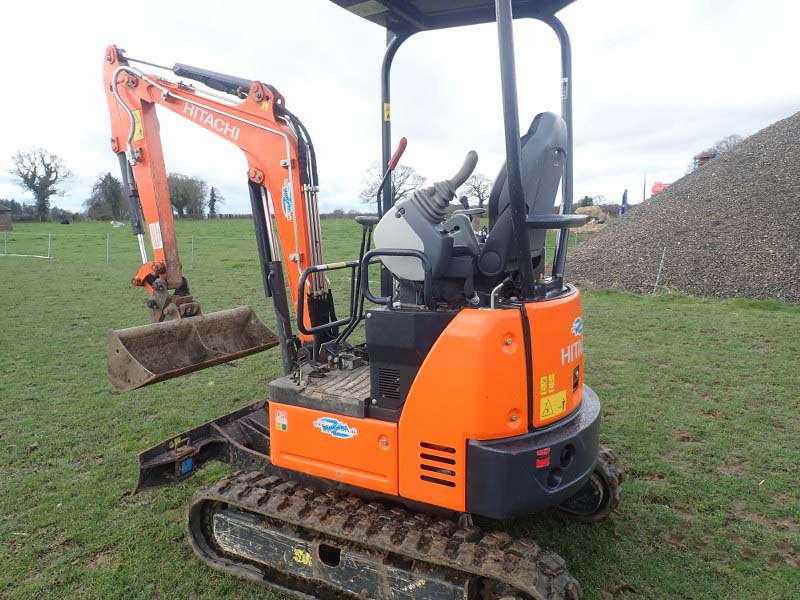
x=45, y=176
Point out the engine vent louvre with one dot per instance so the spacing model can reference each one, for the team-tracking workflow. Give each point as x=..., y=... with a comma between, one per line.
x=389, y=383
x=439, y=465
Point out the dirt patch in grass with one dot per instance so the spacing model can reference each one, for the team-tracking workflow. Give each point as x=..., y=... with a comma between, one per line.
x=785, y=553
x=739, y=512
x=103, y=558
x=736, y=467
x=711, y=412
x=686, y=438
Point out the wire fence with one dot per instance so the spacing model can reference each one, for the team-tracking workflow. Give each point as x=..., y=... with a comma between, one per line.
x=108, y=246
x=26, y=253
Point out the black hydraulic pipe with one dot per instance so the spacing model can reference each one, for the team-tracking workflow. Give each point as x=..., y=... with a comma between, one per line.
x=262, y=237
x=508, y=82
x=393, y=42
x=132, y=195
x=281, y=304
x=559, y=263
x=272, y=276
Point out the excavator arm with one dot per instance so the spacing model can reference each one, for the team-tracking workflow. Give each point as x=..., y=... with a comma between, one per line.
x=282, y=182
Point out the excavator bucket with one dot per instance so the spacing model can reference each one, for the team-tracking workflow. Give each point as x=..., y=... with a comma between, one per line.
x=139, y=356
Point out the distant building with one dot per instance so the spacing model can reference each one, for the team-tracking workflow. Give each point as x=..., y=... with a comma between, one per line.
x=5, y=218
x=704, y=158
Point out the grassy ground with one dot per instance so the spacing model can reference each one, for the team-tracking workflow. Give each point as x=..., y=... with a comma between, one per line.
x=700, y=399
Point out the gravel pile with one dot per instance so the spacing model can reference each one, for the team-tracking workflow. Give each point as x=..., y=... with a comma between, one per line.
x=730, y=228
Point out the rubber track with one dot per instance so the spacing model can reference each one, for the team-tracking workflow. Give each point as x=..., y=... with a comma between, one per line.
x=517, y=563
x=613, y=473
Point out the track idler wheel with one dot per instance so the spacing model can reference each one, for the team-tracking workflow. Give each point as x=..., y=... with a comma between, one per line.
x=596, y=500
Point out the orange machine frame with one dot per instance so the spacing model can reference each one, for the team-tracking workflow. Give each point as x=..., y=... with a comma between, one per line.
x=472, y=385
x=269, y=143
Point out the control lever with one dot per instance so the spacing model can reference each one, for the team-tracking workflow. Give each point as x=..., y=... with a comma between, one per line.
x=401, y=148
x=470, y=162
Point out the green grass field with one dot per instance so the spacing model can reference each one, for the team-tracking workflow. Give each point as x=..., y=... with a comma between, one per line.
x=700, y=400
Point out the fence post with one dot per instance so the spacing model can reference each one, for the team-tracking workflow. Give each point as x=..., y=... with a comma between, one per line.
x=5, y=243
x=49, y=245
x=658, y=275
x=193, y=252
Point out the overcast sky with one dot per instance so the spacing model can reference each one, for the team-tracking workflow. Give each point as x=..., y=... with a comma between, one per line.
x=655, y=82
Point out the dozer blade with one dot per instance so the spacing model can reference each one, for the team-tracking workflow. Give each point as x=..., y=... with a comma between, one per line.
x=139, y=356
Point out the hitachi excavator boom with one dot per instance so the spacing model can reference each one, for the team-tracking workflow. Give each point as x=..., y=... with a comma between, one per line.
x=281, y=166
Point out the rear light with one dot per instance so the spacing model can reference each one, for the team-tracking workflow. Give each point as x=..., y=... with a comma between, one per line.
x=543, y=458
x=576, y=378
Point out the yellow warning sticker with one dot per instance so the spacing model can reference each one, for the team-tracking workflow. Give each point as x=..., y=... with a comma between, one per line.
x=553, y=405
x=265, y=105
x=547, y=384
x=302, y=557
x=387, y=111
x=138, y=130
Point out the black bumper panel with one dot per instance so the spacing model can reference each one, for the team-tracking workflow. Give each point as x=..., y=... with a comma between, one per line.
x=521, y=475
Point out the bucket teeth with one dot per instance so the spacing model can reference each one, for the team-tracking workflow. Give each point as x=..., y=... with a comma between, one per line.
x=139, y=356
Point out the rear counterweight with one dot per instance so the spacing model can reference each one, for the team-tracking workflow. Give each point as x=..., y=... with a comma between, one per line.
x=521, y=475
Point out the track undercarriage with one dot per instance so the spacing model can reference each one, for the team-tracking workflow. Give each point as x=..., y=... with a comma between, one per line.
x=312, y=543
x=311, y=538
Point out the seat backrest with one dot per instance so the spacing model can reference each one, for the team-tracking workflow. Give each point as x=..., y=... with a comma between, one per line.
x=543, y=152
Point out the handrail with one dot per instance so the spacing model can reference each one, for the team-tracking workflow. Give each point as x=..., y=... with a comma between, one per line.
x=556, y=221
x=301, y=297
x=427, y=286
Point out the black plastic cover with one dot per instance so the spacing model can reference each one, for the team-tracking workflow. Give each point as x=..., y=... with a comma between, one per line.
x=511, y=477
x=399, y=342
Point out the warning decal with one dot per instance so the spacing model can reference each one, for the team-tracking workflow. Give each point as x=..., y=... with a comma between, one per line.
x=387, y=111
x=553, y=405
x=281, y=420
x=155, y=236
x=547, y=384
x=138, y=130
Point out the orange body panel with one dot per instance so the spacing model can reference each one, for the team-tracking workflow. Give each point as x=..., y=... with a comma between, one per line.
x=473, y=385
x=360, y=452
x=557, y=332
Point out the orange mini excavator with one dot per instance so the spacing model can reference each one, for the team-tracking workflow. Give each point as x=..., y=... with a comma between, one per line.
x=361, y=475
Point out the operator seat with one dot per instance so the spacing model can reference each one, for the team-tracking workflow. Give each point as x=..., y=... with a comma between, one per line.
x=542, y=157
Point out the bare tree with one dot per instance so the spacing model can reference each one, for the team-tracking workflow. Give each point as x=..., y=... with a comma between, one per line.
x=404, y=181
x=477, y=188
x=187, y=194
x=720, y=147
x=43, y=174
x=727, y=143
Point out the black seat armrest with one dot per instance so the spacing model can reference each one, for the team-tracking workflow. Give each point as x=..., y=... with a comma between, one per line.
x=368, y=220
x=470, y=212
x=556, y=221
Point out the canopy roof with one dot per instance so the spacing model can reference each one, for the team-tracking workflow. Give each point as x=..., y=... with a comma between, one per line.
x=410, y=16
